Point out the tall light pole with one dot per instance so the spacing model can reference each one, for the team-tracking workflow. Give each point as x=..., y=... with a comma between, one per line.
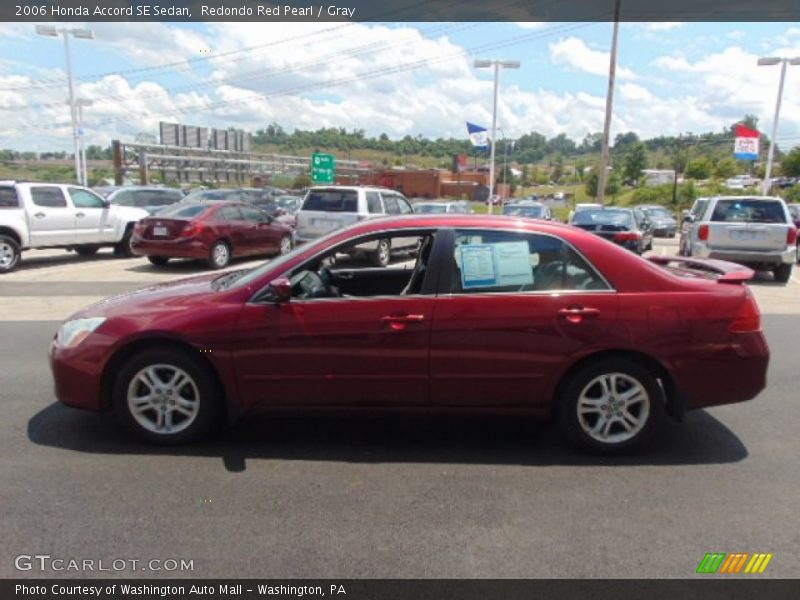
x=612, y=73
x=80, y=103
x=765, y=62
x=497, y=64
x=83, y=34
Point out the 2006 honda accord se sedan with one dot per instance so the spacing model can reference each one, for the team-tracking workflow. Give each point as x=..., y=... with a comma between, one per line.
x=483, y=314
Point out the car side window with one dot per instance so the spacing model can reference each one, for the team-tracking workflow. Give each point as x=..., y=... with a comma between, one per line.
x=404, y=205
x=8, y=197
x=374, y=206
x=229, y=213
x=251, y=214
x=699, y=209
x=124, y=198
x=48, y=196
x=512, y=262
x=391, y=204
x=84, y=199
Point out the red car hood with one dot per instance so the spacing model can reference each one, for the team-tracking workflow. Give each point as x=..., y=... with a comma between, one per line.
x=157, y=299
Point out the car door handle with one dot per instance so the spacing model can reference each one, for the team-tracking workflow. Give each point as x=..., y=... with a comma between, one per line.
x=399, y=322
x=80, y=214
x=344, y=275
x=40, y=215
x=578, y=314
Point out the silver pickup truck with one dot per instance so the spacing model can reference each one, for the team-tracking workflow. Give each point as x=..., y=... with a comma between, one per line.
x=756, y=231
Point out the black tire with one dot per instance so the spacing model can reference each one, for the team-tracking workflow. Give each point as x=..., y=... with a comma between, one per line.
x=86, y=250
x=382, y=255
x=123, y=248
x=219, y=256
x=158, y=261
x=10, y=254
x=207, y=411
x=648, y=412
x=783, y=273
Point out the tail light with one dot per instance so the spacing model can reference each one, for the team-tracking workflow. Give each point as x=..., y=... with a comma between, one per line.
x=791, y=236
x=748, y=318
x=627, y=236
x=192, y=228
x=702, y=233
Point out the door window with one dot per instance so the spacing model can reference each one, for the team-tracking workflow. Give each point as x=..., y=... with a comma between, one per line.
x=391, y=204
x=229, y=213
x=256, y=216
x=699, y=209
x=374, y=206
x=49, y=197
x=84, y=199
x=404, y=206
x=502, y=261
x=8, y=198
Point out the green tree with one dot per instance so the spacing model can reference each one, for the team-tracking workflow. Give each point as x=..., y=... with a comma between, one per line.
x=699, y=168
x=790, y=165
x=558, y=169
x=303, y=180
x=635, y=162
x=725, y=167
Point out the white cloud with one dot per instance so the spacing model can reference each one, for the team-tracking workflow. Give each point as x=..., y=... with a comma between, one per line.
x=663, y=26
x=575, y=54
x=531, y=24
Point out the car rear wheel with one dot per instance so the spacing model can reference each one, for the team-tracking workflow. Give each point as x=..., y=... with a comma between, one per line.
x=9, y=254
x=158, y=261
x=86, y=250
x=285, y=245
x=382, y=255
x=783, y=273
x=219, y=256
x=611, y=406
x=166, y=397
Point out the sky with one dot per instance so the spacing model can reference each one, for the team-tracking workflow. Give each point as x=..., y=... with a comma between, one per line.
x=394, y=78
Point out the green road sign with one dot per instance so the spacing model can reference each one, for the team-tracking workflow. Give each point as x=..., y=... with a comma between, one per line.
x=323, y=168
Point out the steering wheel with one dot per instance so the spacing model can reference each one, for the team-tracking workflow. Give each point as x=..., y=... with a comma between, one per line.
x=326, y=276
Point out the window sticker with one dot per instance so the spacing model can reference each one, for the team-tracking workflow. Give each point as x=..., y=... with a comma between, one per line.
x=495, y=265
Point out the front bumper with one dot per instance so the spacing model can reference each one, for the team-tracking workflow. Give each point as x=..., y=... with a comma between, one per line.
x=747, y=257
x=78, y=373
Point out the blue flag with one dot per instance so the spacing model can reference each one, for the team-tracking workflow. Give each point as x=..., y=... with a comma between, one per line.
x=478, y=135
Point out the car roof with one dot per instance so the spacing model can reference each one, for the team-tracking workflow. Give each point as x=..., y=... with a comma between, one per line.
x=526, y=204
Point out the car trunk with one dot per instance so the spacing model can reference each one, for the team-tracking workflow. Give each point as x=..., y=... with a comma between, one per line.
x=161, y=229
x=747, y=236
x=327, y=210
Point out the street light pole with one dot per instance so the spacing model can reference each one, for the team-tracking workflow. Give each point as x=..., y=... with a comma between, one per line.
x=80, y=103
x=768, y=61
x=612, y=73
x=497, y=64
x=86, y=34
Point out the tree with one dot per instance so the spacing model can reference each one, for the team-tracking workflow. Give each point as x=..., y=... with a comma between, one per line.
x=790, y=165
x=699, y=168
x=591, y=184
x=558, y=169
x=635, y=162
x=303, y=180
x=725, y=167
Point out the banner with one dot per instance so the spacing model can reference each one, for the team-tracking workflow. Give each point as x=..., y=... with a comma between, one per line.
x=478, y=135
x=745, y=147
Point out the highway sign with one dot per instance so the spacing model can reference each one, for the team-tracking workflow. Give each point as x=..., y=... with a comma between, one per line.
x=323, y=168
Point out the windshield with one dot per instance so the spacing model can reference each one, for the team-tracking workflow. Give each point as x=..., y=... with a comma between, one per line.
x=212, y=195
x=183, y=211
x=657, y=213
x=749, y=210
x=430, y=208
x=621, y=218
x=524, y=211
x=332, y=201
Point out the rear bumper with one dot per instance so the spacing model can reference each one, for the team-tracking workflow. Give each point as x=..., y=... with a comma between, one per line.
x=666, y=231
x=183, y=248
x=747, y=257
x=734, y=373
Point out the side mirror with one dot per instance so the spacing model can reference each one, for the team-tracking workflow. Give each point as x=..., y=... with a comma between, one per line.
x=281, y=290
x=688, y=218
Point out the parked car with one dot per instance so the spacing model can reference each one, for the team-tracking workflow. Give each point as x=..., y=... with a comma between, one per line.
x=756, y=231
x=794, y=212
x=215, y=232
x=440, y=207
x=52, y=215
x=628, y=228
x=582, y=206
x=529, y=209
x=498, y=315
x=663, y=221
x=246, y=195
x=150, y=198
x=328, y=208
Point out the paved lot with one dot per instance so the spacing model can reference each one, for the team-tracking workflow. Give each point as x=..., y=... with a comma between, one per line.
x=383, y=498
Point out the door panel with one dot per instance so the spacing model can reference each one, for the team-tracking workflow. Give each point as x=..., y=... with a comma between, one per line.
x=93, y=222
x=500, y=349
x=51, y=219
x=335, y=352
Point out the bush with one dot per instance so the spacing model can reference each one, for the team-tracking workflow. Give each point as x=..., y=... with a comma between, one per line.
x=792, y=194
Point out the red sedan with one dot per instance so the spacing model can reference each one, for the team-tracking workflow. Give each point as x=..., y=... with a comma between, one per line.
x=492, y=315
x=212, y=232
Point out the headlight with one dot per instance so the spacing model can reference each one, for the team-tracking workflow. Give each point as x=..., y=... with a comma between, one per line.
x=72, y=333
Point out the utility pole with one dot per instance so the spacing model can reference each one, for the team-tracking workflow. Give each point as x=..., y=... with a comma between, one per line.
x=612, y=74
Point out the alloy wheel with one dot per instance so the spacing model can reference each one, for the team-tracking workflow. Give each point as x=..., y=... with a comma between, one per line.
x=163, y=399
x=7, y=255
x=613, y=408
x=286, y=245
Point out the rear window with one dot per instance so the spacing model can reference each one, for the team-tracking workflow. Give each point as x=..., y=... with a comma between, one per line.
x=332, y=201
x=183, y=211
x=213, y=196
x=657, y=213
x=524, y=211
x=752, y=211
x=8, y=198
x=430, y=208
x=621, y=218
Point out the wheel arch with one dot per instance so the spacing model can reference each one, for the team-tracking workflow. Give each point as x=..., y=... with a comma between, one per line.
x=674, y=402
x=127, y=351
x=12, y=233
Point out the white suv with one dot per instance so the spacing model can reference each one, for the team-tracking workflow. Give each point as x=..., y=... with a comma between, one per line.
x=328, y=208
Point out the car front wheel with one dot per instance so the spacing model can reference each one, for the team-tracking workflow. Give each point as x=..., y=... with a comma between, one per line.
x=165, y=397
x=611, y=406
x=219, y=256
x=9, y=254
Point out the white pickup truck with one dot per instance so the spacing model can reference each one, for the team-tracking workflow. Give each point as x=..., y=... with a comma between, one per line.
x=49, y=215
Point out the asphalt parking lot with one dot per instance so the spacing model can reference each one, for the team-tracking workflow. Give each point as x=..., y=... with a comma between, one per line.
x=339, y=498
